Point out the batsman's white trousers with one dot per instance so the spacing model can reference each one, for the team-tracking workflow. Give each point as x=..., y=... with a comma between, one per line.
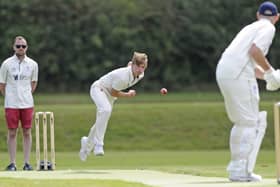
x=104, y=105
x=241, y=99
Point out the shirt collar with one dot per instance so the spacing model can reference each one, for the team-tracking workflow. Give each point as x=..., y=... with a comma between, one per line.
x=131, y=77
x=265, y=20
x=23, y=60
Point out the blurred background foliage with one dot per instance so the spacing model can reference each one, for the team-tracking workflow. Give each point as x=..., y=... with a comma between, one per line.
x=75, y=42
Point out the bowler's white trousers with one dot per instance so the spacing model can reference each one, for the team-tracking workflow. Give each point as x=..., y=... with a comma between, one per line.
x=241, y=99
x=104, y=105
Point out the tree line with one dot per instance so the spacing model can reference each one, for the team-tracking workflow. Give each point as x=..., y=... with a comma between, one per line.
x=75, y=42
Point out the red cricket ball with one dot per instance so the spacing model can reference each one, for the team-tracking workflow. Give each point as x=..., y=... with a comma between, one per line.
x=163, y=91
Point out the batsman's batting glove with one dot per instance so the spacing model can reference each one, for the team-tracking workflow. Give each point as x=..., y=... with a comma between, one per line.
x=272, y=79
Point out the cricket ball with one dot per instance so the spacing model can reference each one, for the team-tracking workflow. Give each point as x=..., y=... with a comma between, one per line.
x=163, y=91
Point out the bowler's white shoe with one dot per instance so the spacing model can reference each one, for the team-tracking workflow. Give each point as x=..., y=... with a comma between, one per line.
x=83, y=151
x=251, y=177
x=98, y=150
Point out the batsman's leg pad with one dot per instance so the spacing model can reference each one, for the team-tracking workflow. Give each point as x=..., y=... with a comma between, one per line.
x=241, y=145
x=260, y=131
x=237, y=168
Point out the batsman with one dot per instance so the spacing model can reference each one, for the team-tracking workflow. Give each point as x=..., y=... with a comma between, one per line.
x=242, y=62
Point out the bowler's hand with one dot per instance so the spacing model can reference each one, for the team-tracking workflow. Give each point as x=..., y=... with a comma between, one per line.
x=131, y=93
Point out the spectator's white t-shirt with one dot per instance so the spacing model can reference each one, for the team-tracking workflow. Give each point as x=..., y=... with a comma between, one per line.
x=18, y=77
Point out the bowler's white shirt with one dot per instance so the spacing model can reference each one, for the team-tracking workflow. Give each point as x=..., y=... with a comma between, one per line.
x=236, y=62
x=118, y=79
x=18, y=77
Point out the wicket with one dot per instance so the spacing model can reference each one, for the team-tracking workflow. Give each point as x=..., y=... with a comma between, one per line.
x=277, y=139
x=47, y=118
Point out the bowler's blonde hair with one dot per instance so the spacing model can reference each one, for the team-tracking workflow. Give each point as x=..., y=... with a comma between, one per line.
x=139, y=58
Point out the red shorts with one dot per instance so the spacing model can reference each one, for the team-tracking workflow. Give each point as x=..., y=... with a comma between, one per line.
x=13, y=116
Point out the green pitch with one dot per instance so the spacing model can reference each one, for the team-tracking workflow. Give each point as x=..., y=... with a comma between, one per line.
x=197, y=163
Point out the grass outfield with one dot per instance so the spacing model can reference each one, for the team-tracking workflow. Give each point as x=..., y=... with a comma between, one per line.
x=141, y=97
x=147, y=122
